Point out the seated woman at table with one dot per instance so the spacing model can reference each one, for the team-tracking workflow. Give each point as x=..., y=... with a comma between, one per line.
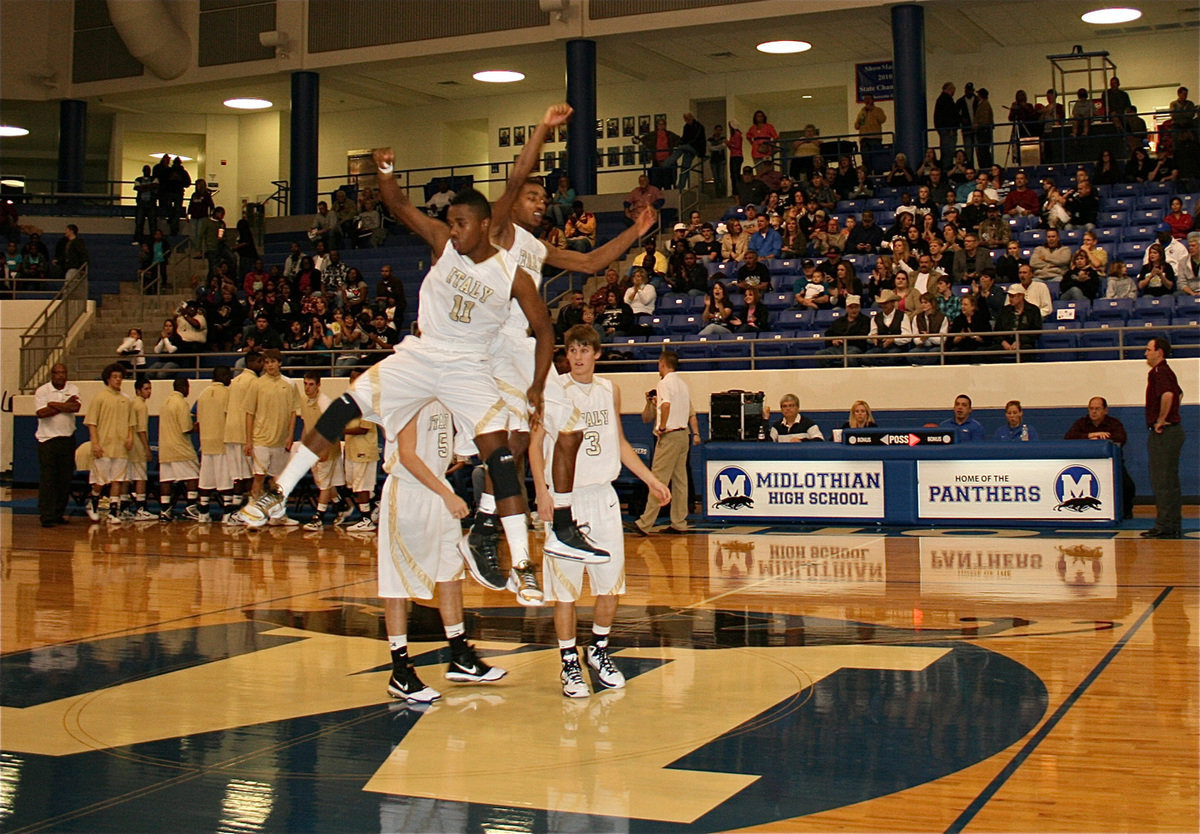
x=860, y=416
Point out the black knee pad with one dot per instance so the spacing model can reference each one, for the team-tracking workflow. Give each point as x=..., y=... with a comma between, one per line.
x=334, y=419
x=505, y=483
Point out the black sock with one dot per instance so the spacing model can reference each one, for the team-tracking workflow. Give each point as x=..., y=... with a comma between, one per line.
x=562, y=518
x=572, y=653
x=485, y=521
x=400, y=659
x=458, y=645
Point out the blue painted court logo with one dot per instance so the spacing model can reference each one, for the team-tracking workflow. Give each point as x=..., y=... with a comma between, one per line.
x=1077, y=489
x=733, y=489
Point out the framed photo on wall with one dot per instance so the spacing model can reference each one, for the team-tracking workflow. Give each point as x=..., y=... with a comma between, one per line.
x=547, y=161
x=562, y=133
x=505, y=137
x=614, y=156
x=562, y=160
x=519, y=135
x=599, y=158
x=599, y=129
x=627, y=126
x=613, y=129
x=644, y=123
x=627, y=157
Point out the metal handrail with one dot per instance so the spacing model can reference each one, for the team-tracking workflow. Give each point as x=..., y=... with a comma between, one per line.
x=44, y=342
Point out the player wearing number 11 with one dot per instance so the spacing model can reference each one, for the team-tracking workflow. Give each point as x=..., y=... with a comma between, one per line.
x=464, y=299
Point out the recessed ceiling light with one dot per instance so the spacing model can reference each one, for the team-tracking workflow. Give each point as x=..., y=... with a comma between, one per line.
x=247, y=103
x=161, y=155
x=13, y=183
x=499, y=76
x=805, y=96
x=1114, y=15
x=13, y=130
x=783, y=47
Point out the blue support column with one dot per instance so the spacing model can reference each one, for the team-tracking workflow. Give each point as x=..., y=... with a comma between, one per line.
x=581, y=131
x=306, y=120
x=908, y=56
x=72, y=144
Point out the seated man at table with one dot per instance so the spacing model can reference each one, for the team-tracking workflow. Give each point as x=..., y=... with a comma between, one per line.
x=793, y=427
x=966, y=428
x=1098, y=425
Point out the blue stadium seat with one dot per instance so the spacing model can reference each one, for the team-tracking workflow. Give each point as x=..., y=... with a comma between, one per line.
x=1133, y=250
x=783, y=266
x=878, y=204
x=1186, y=342
x=806, y=345
x=1113, y=310
x=1082, y=310
x=1154, y=187
x=782, y=282
x=794, y=320
x=850, y=206
x=1150, y=305
x=1124, y=188
x=1118, y=202
x=1032, y=237
x=1054, y=285
x=1188, y=305
x=777, y=300
x=1144, y=217
x=1154, y=202
x=673, y=302
x=736, y=300
x=713, y=267
x=884, y=218
x=694, y=356
x=824, y=318
x=1112, y=215
x=773, y=351
x=1099, y=345
x=1059, y=335
x=731, y=352
x=682, y=324
x=1108, y=234
x=1140, y=232
x=1072, y=236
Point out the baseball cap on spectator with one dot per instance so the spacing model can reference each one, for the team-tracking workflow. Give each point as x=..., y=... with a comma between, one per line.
x=806, y=263
x=853, y=299
x=833, y=250
x=950, y=208
x=1016, y=289
x=1163, y=227
x=909, y=209
x=679, y=227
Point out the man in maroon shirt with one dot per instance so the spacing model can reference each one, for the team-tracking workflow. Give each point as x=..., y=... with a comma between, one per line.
x=1165, y=441
x=1098, y=425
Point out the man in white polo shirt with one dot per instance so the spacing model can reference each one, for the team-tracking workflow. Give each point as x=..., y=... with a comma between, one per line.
x=57, y=404
x=670, y=453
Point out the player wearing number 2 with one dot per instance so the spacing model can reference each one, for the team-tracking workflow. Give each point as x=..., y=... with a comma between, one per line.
x=464, y=299
x=602, y=451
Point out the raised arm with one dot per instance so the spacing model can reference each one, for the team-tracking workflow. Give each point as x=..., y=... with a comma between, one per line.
x=432, y=231
x=526, y=294
x=602, y=256
x=555, y=115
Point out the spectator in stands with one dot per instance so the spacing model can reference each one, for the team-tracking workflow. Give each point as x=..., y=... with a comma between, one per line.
x=1179, y=220
x=369, y=231
x=616, y=319
x=334, y=279
x=12, y=266
x=717, y=153
x=752, y=273
x=641, y=297
x=652, y=262
x=969, y=261
x=658, y=147
x=994, y=231
x=131, y=350
x=960, y=170
x=200, y=206
x=869, y=124
x=1015, y=428
x=152, y=264
x=707, y=248
x=353, y=344
x=689, y=276
x=754, y=316
x=1083, y=206
x=1050, y=260
x=324, y=228
x=846, y=285
x=569, y=314
x=690, y=146
x=938, y=257
x=382, y=334
x=167, y=346
x=192, y=327
x=552, y=237
x=765, y=242
x=1018, y=315
x=734, y=144
x=762, y=136
x=820, y=192
x=640, y=197
x=983, y=122
x=1157, y=277
x=886, y=340
x=209, y=238
x=244, y=249
x=840, y=336
x=931, y=233
x=1183, y=111
x=1036, y=291
x=296, y=341
x=561, y=201
x=735, y=243
x=612, y=281
x=926, y=331
x=173, y=180
x=70, y=253
x=1024, y=115
x=1081, y=281
x=903, y=259
x=1021, y=200
x=1098, y=425
x=792, y=242
x=1106, y=171
x=356, y=291
x=900, y=174
x=255, y=280
x=969, y=331
x=291, y=264
x=1097, y=256
x=264, y=335
x=1174, y=251
x=1139, y=166
x=948, y=302
x=974, y=212
x=145, y=199
x=1008, y=264
x=1083, y=110
x=946, y=121
x=1120, y=285
x=966, y=428
x=928, y=165
x=307, y=278
x=718, y=314
x=438, y=203
x=881, y=277
x=991, y=297
x=866, y=238
x=792, y=426
x=1187, y=274
x=580, y=228
x=749, y=190
x=345, y=213
x=810, y=289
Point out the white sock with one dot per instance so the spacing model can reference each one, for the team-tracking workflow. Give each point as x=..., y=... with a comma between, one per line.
x=302, y=460
x=454, y=630
x=365, y=508
x=487, y=503
x=566, y=644
x=560, y=499
x=601, y=631
x=517, y=536
x=397, y=641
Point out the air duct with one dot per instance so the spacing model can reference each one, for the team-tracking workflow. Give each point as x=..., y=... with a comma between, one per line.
x=152, y=35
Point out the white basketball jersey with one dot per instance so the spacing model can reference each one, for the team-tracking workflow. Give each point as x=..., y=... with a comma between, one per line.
x=435, y=445
x=462, y=303
x=599, y=459
x=529, y=253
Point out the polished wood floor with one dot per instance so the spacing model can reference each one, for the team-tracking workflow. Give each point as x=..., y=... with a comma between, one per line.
x=186, y=677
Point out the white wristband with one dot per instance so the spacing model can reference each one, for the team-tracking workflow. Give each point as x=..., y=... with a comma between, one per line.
x=386, y=168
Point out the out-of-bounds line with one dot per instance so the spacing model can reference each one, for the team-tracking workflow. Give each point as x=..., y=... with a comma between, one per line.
x=1025, y=752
